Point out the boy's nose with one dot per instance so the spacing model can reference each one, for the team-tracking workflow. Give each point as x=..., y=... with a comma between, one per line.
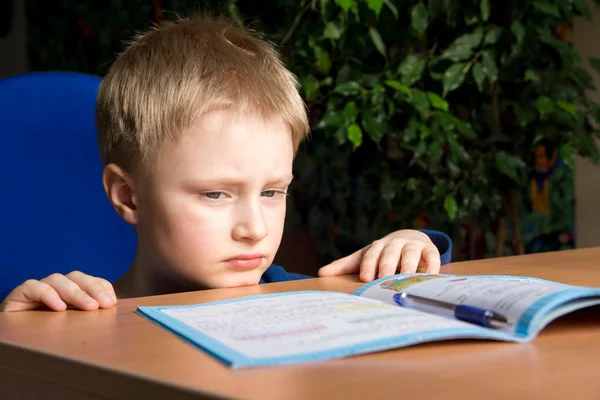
x=250, y=224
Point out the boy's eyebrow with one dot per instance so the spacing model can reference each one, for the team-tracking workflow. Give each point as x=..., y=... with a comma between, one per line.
x=232, y=181
x=282, y=179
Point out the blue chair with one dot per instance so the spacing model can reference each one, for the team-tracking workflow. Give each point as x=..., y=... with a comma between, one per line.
x=54, y=214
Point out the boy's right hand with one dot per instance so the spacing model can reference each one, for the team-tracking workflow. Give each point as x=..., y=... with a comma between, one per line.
x=56, y=291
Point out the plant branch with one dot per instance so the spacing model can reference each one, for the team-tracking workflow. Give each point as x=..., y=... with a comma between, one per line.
x=299, y=16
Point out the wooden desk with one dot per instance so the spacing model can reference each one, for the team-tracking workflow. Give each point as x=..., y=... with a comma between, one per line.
x=118, y=354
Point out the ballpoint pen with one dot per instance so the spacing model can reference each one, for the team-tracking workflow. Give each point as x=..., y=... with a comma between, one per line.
x=475, y=315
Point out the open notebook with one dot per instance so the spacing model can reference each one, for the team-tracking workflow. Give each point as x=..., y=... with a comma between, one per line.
x=317, y=325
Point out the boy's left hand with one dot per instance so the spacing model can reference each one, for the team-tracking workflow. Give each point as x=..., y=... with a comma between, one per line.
x=405, y=250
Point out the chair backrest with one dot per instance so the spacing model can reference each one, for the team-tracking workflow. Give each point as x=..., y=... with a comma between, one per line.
x=54, y=214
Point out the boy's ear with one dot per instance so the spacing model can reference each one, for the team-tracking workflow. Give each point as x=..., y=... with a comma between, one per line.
x=120, y=190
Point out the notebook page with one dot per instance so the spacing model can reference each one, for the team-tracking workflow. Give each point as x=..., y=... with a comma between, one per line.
x=517, y=298
x=303, y=326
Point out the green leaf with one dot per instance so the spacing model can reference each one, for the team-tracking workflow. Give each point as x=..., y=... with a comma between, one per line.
x=595, y=63
x=490, y=69
x=346, y=4
x=350, y=88
x=310, y=84
x=567, y=153
x=455, y=150
x=446, y=121
x=425, y=131
x=332, y=118
x=581, y=77
x=568, y=107
x=437, y=102
x=411, y=68
x=392, y=7
x=518, y=30
x=478, y=75
x=377, y=41
x=436, y=151
x=525, y=115
x=332, y=31
x=324, y=7
x=388, y=191
x=509, y=165
x=378, y=95
x=531, y=75
x=588, y=145
x=437, y=7
x=454, y=77
x=466, y=129
x=370, y=80
x=350, y=112
x=485, y=9
x=419, y=100
x=375, y=126
x=344, y=74
x=354, y=134
x=450, y=206
x=582, y=8
x=493, y=34
x=375, y=5
x=463, y=47
x=323, y=60
x=410, y=133
x=566, y=50
x=234, y=11
x=471, y=19
x=544, y=105
x=547, y=8
x=398, y=86
x=341, y=135
x=419, y=18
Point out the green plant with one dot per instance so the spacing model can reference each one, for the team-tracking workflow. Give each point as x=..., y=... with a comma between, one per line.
x=425, y=109
x=433, y=107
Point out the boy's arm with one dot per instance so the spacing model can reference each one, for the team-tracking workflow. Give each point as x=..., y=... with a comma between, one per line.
x=404, y=251
x=275, y=273
x=56, y=291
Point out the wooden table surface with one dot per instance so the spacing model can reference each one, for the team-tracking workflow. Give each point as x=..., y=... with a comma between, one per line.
x=118, y=354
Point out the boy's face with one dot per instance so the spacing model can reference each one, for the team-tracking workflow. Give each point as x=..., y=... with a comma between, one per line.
x=212, y=212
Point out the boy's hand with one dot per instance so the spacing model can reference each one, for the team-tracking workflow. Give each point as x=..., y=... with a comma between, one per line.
x=407, y=250
x=56, y=291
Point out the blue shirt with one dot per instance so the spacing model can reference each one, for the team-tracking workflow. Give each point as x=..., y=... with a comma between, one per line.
x=275, y=273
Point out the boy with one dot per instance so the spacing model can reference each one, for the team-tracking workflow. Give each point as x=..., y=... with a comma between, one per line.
x=198, y=123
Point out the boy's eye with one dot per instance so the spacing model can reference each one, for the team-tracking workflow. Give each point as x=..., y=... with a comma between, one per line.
x=213, y=195
x=272, y=193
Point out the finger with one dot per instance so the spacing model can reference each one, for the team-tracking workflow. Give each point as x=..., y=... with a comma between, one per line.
x=430, y=259
x=343, y=266
x=99, y=289
x=409, y=261
x=70, y=292
x=390, y=257
x=368, y=266
x=32, y=294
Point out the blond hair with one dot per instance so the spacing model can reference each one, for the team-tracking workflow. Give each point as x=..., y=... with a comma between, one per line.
x=171, y=75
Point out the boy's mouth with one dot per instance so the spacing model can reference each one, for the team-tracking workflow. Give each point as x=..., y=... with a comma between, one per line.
x=245, y=261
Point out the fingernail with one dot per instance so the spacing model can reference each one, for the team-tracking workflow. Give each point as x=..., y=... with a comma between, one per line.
x=107, y=298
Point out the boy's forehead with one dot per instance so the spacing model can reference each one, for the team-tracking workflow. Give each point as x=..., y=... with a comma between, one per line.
x=228, y=128
x=227, y=140
x=230, y=117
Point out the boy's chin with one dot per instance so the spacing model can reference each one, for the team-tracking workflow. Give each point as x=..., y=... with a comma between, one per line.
x=236, y=279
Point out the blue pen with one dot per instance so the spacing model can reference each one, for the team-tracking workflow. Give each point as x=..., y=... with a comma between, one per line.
x=474, y=315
